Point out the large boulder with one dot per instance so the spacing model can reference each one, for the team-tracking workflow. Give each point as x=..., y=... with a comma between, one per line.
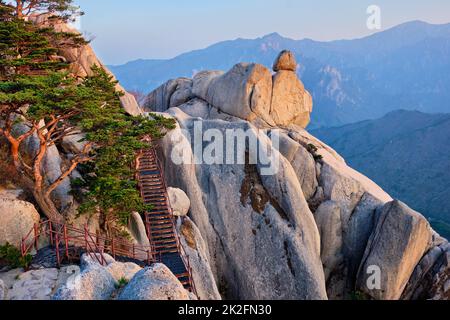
x=17, y=218
x=201, y=82
x=431, y=277
x=74, y=143
x=136, y=229
x=285, y=61
x=123, y=270
x=261, y=236
x=173, y=93
x=291, y=103
x=94, y=282
x=154, y=283
x=400, y=239
x=302, y=162
x=179, y=201
x=196, y=250
x=51, y=166
x=244, y=92
x=247, y=92
x=329, y=221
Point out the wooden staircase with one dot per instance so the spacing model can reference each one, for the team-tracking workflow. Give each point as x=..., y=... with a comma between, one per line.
x=159, y=220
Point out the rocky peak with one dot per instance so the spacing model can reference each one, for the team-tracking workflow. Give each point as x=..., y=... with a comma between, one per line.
x=248, y=91
x=285, y=61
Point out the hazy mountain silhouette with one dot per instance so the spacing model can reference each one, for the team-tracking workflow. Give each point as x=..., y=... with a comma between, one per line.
x=407, y=153
x=405, y=67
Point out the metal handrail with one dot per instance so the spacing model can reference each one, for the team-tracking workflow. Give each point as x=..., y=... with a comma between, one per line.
x=182, y=252
x=79, y=238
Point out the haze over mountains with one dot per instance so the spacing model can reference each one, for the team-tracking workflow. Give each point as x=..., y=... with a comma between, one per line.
x=407, y=153
x=406, y=67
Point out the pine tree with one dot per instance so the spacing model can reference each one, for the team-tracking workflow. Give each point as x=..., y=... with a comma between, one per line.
x=64, y=9
x=37, y=90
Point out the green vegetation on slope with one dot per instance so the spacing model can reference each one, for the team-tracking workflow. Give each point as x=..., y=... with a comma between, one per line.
x=39, y=96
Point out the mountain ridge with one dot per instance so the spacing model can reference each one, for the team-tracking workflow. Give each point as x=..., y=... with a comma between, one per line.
x=384, y=149
x=404, y=67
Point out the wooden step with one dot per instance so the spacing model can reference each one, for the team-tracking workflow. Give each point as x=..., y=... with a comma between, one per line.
x=161, y=233
x=159, y=218
x=160, y=228
x=167, y=240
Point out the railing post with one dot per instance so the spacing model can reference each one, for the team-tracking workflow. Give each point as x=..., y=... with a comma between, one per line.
x=57, y=249
x=86, y=239
x=113, y=248
x=36, y=235
x=50, y=231
x=22, y=247
x=66, y=241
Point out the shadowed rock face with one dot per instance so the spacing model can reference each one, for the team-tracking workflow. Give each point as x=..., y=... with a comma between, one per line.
x=309, y=231
x=248, y=91
x=17, y=218
x=406, y=153
x=400, y=239
x=154, y=283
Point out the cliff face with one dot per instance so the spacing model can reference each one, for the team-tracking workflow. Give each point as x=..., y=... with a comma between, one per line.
x=83, y=58
x=312, y=229
x=297, y=223
x=407, y=153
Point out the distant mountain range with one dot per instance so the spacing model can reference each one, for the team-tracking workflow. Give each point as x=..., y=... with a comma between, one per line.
x=407, y=153
x=406, y=67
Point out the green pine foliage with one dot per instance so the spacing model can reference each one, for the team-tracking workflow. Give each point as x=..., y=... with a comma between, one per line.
x=35, y=86
x=13, y=258
x=110, y=179
x=63, y=9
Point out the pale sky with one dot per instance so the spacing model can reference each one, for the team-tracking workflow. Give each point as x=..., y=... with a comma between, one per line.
x=133, y=29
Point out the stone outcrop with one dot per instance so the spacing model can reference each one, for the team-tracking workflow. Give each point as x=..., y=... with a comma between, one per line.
x=122, y=281
x=51, y=167
x=137, y=231
x=196, y=249
x=17, y=218
x=154, y=283
x=171, y=94
x=248, y=91
x=83, y=58
x=247, y=219
x=285, y=61
x=261, y=236
x=179, y=201
x=94, y=282
x=74, y=143
x=291, y=103
x=33, y=285
x=431, y=277
x=400, y=239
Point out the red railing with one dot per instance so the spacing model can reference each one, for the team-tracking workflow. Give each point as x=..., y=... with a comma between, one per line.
x=182, y=252
x=65, y=238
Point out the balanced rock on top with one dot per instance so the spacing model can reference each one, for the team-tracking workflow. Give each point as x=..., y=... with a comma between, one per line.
x=248, y=91
x=291, y=103
x=285, y=61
